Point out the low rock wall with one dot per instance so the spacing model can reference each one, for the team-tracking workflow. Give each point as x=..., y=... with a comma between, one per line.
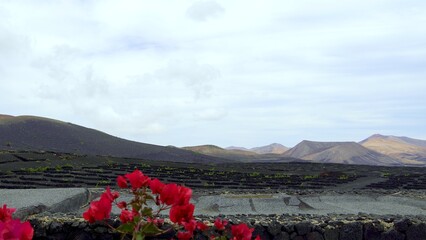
x=268, y=227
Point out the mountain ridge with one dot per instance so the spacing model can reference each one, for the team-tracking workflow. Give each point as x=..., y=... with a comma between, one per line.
x=38, y=133
x=45, y=134
x=407, y=150
x=339, y=152
x=273, y=148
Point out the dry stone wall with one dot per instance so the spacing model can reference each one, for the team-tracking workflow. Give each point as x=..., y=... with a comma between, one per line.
x=268, y=227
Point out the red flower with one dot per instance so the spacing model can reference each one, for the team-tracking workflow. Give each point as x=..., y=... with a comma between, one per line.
x=219, y=224
x=202, y=226
x=126, y=216
x=179, y=214
x=6, y=213
x=241, y=232
x=190, y=226
x=169, y=194
x=184, y=195
x=110, y=195
x=157, y=221
x=184, y=235
x=156, y=186
x=14, y=229
x=137, y=179
x=122, y=204
x=257, y=237
x=122, y=182
x=101, y=209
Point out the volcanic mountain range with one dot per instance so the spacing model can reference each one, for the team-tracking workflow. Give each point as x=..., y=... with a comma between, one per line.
x=42, y=134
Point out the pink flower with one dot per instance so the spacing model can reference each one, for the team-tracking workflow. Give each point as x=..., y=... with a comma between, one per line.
x=126, y=216
x=15, y=230
x=219, y=224
x=180, y=214
x=137, y=179
x=241, y=232
x=156, y=186
x=6, y=213
x=122, y=182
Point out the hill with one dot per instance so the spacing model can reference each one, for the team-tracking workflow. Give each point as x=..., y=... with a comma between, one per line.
x=42, y=134
x=274, y=148
x=407, y=150
x=339, y=152
x=236, y=154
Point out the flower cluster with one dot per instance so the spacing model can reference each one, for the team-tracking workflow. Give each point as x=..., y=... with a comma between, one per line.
x=139, y=220
x=13, y=228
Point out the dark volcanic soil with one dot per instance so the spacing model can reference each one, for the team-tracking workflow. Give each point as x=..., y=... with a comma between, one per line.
x=54, y=170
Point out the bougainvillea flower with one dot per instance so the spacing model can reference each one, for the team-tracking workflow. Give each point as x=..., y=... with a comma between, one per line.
x=190, y=226
x=219, y=224
x=202, y=226
x=6, y=213
x=158, y=222
x=100, y=210
x=182, y=213
x=184, y=195
x=169, y=194
x=137, y=179
x=186, y=235
x=15, y=230
x=122, y=182
x=241, y=232
x=126, y=216
x=122, y=204
x=111, y=196
x=156, y=186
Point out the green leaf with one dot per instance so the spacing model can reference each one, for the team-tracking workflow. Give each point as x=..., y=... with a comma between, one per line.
x=140, y=236
x=126, y=228
x=146, y=211
x=150, y=229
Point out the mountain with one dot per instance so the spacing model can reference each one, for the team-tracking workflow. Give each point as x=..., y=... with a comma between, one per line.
x=407, y=150
x=274, y=148
x=236, y=154
x=339, y=152
x=237, y=148
x=43, y=134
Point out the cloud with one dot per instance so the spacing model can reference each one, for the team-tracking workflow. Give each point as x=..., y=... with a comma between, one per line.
x=67, y=77
x=195, y=76
x=220, y=72
x=210, y=114
x=204, y=10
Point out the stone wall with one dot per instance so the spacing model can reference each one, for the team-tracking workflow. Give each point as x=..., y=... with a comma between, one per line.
x=268, y=227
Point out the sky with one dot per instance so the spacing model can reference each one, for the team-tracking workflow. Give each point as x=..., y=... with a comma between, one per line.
x=223, y=72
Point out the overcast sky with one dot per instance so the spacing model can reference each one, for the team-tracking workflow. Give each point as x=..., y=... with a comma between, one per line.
x=231, y=72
